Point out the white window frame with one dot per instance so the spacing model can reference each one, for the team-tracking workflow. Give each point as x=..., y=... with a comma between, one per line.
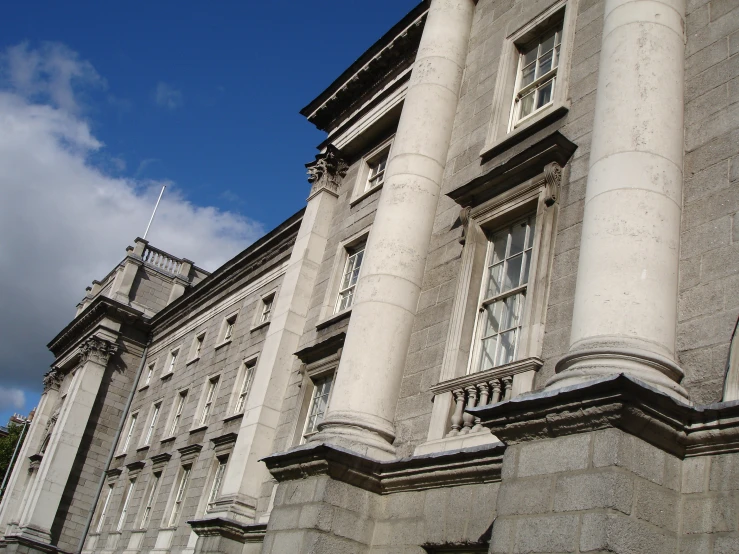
x=151, y=495
x=363, y=187
x=132, y=419
x=124, y=507
x=502, y=129
x=244, y=382
x=104, y=510
x=208, y=399
x=178, y=408
x=180, y=495
x=171, y=362
x=196, y=348
x=153, y=419
x=150, y=369
x=228, y=326
x=352, y=264
x=217, y=481
x=268, y=303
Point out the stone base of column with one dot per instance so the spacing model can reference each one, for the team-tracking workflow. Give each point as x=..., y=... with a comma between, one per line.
x=594, y=360
x=29, y=540
x=224, y=536
x=347, y=430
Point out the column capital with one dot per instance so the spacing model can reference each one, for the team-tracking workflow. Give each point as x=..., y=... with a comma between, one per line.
x=327, y=171
x=97, y=350
x=53, y=379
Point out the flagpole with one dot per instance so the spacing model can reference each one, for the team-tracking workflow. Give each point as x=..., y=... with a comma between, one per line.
x=155, y=211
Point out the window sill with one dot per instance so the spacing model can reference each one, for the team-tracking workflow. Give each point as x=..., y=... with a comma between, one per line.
x=535, y=123
x=198, y=428
x=233, y=417
x=167, y=439
x=222, y=344
x=144, y=388
x=334, y=318
x=364, y=195
x=188, y=362
x=260, y=326
x=166, y=376
x=143, y=448
x=120, y=455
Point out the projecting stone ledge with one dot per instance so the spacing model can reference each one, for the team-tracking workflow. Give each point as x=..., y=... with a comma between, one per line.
x=620, y=402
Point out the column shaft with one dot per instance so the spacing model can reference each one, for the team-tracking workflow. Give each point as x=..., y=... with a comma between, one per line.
x=625, y=309
x=363, y=403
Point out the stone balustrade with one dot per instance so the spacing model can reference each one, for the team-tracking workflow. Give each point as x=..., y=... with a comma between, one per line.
x=485, y=389
x=161, y=260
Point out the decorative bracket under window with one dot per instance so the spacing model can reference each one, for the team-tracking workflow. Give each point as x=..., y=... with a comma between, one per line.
x=553, y=178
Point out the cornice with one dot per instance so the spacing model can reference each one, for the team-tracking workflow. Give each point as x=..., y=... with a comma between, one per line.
x=230, y=529
x=322, y=349
x=460, y=467
x=621, y=402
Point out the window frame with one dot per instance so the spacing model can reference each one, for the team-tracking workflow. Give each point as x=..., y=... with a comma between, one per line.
x=152, y=491
x=131, y=426
x=152, y=419
x=315, y=371
x=150, y=371
x=170, y=365
x=196, y=347
x=244, y=380
x=207, y=402
x=104, y=509
x=228, y=326
x=350, y=266
x=328, y=377
x=362, y=188
x=502, y=131
x=125, y=503
x=175, y=417
x=178, y=503
x=216, y=482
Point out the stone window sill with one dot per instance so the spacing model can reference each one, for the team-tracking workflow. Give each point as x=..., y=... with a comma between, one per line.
x=260, y=326
x=536, y=123
x=222, y=344
x=144, y=388
x=143, y=448
x=198, y=428
x=192, y=361
x=334, y=318
x=364, y=195
x=233, y=417
x=166, y=376
x=167, y=439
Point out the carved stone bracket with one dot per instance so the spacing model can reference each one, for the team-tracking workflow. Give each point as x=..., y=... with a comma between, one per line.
x=97, y=350
x=327, y=171
x=464, y=218
x=53, y=379
x=553, y=178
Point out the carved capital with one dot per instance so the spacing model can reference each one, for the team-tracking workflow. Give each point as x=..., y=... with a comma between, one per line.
x=464, y=218
x=327, y=171
x=97, y=350
x=553, y=178
x=53, y=379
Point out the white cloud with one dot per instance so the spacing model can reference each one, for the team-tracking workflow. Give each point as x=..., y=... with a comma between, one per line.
x=65, y=221
x=167, y=96
x=11, y=399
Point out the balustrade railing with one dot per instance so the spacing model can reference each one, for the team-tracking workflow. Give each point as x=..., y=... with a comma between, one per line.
x=161, y=260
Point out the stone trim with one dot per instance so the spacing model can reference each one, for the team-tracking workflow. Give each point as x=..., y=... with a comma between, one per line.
x=322, y=349
x=189, y=453
x=159, y=461
x=521, y=366
x=230, y=529
x=445, y=469
x=53, y=379
x=327, y=171
x=622, y=402
x=32, y=545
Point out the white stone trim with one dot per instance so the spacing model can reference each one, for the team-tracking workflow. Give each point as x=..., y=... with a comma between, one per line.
x=196, y=422
x=358, y=191
x=246, y=363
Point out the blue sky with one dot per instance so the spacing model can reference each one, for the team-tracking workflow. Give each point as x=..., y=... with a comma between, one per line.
x=103, y=103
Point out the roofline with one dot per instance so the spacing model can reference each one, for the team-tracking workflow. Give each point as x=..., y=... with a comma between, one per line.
x=365, y=58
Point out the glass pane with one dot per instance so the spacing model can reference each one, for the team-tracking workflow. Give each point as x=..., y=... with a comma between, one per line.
x=487, y=356
x=530, y=54
x=492, y=318
x=527, y=105
x=545, y=64
x=532, y=230
x=556, y=56
x=494, y=281
x=558, y=39
x=526, y=266
x=518, y=239
x=507, y=347
x=545, y=94
x=513, y=273
x=510, y=313
x=528, y=74
x=499, y=246
x=547, y=44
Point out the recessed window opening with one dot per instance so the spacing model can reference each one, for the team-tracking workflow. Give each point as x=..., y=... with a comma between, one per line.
x=179, y=499
x=129, y=433
x=209, y=398
x=104, y=511
x=217, y=480
x=377, y=166
x=249, y=370
x=318, y=405
x=178, y=413
x=150, y=501
x=126, y=501
x=349, y=279
x=153, y=423
x=266, y=308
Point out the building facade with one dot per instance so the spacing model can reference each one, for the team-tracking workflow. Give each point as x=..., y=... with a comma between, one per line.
x=505, y=320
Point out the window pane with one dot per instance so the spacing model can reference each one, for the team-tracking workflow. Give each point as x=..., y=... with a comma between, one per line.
x=518, y=238
x=532, y=229
x=492, y=318
x=526, y=266
x=494, y=280
x=507, y=347
x=547, y=44
x=509, y=315
x=530, y=54
x=528, y=74
x=556, y=56
x=527, y=104
x=487, y=357
x=513, y=273
x=545, y=94
x=499, y=246
x=545, y=64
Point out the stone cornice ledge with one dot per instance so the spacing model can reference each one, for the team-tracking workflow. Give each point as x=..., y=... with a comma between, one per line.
x=228, y=528
x=460, y=467
x=622, y=402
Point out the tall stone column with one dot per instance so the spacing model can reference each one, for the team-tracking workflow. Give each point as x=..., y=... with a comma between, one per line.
x=13, y=498
x=45, y=494
x=362, y=407
x=625, y=311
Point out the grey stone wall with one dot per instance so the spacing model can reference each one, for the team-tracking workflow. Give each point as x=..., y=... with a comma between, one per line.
x=709, y=250
x=150, y=289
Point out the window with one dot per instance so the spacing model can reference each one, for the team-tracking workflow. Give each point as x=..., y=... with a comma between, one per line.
x=197, y=347
x=210, y=394
x=126, y=501
x=503, y=295
x=129, y=433
x=267, y=302
x=149, y=373
x=172, y=361
x=179, y=498
x=217, y=479
x=245, y=386
x=318, y=405
x=228, y=334
x=153, y=423
x=349, y=278
x=377, y=166
x=537, y=74
x=104, y=511
x=180, y=404
x=153, y=487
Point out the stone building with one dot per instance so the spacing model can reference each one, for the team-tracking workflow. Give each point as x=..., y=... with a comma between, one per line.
x=504, y=322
